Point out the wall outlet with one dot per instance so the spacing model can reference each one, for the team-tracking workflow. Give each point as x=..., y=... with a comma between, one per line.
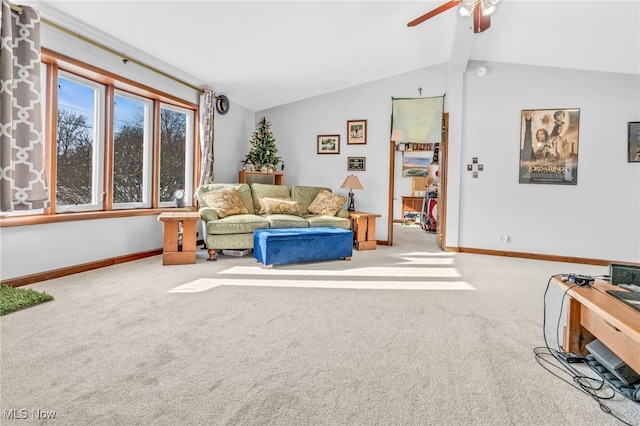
x=505, y=238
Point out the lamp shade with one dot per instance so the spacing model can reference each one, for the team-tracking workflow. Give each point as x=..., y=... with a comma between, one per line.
x=351, y=182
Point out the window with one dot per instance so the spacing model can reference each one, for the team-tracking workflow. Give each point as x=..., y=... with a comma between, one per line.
x=111, y=144
x=176, y=153
x=132, y=160
x=79, y=144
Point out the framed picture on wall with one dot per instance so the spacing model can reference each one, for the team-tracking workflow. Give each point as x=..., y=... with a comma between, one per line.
x=549, y=146
x=357, y=132
x=356, y=164
x=328, y=144
x=415, y=165
x=633, y=137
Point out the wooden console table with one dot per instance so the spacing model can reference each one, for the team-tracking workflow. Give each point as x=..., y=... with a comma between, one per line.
x=249, y=177
x=174, y=253
x=363, y=226
x=594, y=314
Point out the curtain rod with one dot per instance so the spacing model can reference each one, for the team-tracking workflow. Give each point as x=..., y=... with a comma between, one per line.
x=15, y=8
x=124, y=57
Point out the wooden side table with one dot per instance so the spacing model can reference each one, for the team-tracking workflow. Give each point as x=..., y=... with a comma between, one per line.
x=363, y=226
x=174, y=253
x=411, y=205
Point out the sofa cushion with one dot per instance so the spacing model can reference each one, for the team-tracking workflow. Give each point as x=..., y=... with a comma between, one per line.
x=279, y=221
x=318, y=221
x=244, y=192
x=279, y=206
x=237, y=224
x=305, y=195
x=270, y=191
x=326, y=203
x=225, y=202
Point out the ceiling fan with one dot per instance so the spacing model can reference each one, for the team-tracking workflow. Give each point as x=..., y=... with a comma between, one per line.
x=480, y=9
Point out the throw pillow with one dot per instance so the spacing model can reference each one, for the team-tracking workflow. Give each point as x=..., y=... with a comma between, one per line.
x=225, y=202
x=279, y=206
x=327, y=203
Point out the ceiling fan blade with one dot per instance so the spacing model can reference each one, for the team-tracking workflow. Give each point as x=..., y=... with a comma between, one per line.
x=480, y=22
x=434, y=12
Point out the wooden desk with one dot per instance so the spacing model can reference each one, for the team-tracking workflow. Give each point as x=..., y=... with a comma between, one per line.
x=174, y=253
x=593, y=314
x=411, y=205
x=363, y=226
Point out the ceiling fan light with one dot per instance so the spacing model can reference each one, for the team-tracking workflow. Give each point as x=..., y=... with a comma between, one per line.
x=466, y=9
x=487, y=8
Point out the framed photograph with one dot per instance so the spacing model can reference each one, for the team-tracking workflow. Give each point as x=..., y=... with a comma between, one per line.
x=356, y=164
x=634, y=142
x=357, y=132
x=414, y=166
x=549, y=146
x=328, y=144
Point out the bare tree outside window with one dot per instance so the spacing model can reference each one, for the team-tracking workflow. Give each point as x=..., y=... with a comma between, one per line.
x=74, y=159
x=173, y=138
x=128, y=151
x=81, y=148
x=79, y=144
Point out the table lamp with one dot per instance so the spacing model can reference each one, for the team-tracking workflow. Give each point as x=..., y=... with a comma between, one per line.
x=351, y=182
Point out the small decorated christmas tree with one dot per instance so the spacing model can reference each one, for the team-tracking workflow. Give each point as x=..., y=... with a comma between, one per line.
x=263, y=153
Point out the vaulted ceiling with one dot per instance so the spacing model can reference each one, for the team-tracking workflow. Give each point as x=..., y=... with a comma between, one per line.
x=267, y=53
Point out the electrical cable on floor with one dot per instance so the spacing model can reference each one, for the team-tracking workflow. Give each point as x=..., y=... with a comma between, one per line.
x=550, y=360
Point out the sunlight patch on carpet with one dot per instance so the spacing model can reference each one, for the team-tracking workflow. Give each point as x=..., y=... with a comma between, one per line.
x=424, y=253
x=427, y=261
x=373, y=271
x=204, y=284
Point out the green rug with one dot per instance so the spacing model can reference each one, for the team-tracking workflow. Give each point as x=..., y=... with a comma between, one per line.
x=13, y=299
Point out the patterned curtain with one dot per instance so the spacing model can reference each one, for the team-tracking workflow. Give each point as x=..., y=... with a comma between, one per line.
x=22, y=176
x=207, y=114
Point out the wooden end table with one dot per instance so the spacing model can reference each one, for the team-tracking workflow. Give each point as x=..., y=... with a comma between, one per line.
x=363, y=226
x=174, y=253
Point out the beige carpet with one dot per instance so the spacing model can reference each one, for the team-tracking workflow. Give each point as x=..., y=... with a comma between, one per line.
x=403, y=335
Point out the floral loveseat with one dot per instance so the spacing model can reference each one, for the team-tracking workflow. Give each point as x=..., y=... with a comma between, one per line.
x=232, y=211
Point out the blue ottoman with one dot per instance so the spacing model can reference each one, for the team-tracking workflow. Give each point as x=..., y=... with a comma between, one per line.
x=295, y=245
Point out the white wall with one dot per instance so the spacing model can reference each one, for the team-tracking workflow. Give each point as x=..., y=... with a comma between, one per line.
x=599, y=218
x=32, y=249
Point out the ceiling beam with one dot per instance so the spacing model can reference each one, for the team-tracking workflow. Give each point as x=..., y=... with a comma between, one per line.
x=463, y=37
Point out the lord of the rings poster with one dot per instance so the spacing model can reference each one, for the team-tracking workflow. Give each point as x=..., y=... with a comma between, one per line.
x=549, y=146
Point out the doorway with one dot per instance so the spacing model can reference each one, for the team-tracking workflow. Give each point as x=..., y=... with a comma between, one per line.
x=442, y=193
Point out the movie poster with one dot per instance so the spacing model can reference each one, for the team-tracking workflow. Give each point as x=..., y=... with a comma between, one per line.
x=549, y=146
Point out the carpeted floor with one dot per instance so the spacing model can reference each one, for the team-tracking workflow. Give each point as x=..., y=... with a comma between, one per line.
x=403, y=335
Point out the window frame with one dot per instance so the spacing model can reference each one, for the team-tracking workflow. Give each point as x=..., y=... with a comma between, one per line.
x=189, y=150
x=98, y=147
x=147, y=167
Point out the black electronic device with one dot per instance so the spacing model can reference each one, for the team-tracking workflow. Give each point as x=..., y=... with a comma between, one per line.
x=612, y=362
x=571, y=357
x=631, y=298
x=624, y=274
x=581, y=280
